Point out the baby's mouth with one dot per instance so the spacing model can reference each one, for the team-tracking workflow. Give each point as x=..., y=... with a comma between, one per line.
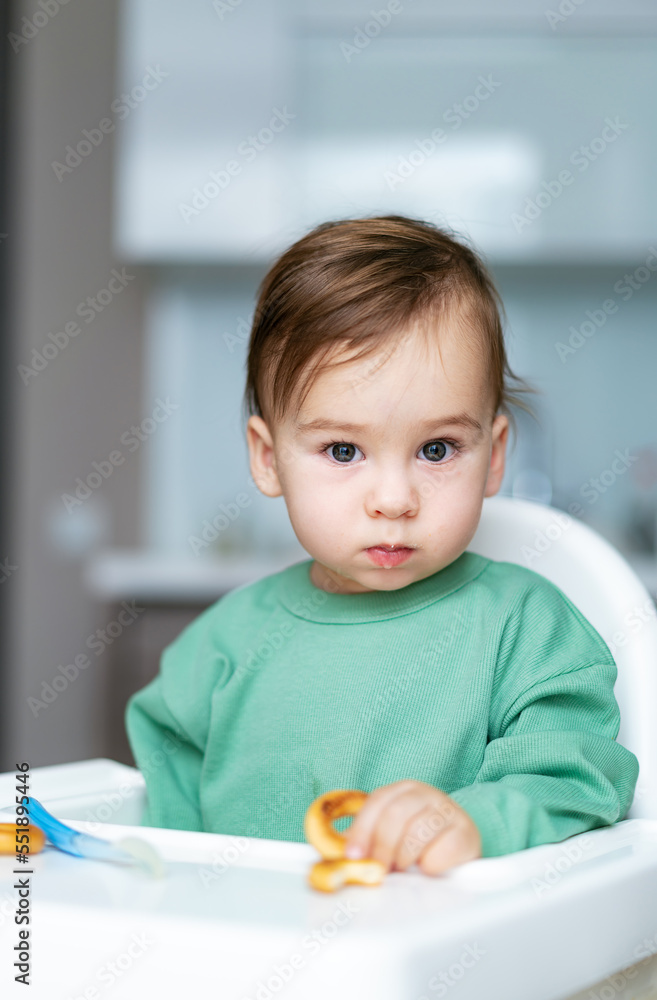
x=388, y=556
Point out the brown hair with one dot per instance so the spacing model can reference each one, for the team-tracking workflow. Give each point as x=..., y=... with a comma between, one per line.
x=358, y=282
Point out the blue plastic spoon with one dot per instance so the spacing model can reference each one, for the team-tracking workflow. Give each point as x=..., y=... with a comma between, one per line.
x=127, y=851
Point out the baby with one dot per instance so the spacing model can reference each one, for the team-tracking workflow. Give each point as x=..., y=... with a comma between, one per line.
x=468, y=696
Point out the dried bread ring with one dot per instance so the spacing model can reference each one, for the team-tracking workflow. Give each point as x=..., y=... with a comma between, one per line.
x=318, y=822
x=329, y=875
x=336, y=870
x=8, y=845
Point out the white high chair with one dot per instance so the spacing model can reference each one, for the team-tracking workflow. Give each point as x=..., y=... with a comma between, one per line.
x=236, y=919
x=605, y=588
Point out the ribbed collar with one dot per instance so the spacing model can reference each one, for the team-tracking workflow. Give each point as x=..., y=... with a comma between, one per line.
x=300, y=596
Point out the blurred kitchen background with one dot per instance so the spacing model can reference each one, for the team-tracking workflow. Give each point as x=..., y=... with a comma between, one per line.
x=156, y=156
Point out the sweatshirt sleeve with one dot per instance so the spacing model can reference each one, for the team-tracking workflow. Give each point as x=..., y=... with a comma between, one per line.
x=168, y=722
x=552, y=767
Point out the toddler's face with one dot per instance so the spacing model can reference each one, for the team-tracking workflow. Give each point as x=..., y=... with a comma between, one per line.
x=389, y=466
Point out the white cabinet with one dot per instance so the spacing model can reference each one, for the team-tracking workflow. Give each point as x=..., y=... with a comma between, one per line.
x=200, y=167
x=537, y=142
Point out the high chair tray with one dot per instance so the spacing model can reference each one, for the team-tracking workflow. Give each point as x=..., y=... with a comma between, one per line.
x=234, y=918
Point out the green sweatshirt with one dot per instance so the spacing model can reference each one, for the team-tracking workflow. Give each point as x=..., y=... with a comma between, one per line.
x=483, y=680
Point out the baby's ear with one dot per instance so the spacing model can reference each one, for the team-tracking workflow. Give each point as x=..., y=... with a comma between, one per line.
x=261, y=457
x=500, y=433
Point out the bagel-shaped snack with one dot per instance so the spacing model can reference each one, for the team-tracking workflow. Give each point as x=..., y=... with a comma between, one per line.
x=318, y=823
x=327, y=876
x=336, y=870
x=8, y=843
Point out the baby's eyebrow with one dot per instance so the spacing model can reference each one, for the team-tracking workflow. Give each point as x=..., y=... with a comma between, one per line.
x=323, y=424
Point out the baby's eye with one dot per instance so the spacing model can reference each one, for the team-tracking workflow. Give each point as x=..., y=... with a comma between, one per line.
x=342, y=451
x=436, y=450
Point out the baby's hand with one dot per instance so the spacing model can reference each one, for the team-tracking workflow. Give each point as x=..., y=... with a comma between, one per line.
x=410, y=821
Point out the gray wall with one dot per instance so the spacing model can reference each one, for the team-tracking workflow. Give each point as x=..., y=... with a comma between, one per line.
x=73, y=412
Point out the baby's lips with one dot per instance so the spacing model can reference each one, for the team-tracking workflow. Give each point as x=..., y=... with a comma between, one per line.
x=354, y=852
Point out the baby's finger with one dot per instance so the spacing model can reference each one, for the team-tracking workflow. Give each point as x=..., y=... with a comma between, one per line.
x=398, y=814
x=458, y=844
x=421, y=829
x=359, y=834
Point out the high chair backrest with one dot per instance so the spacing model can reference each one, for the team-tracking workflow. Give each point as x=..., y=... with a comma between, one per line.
x=605, y=588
